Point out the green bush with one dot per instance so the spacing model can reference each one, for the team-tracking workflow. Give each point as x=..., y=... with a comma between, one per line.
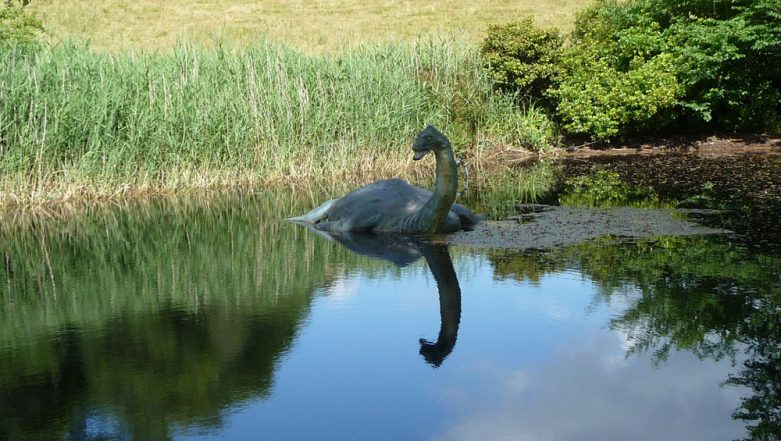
x=726, y=55
x=16, y=26
x=635, y=65
x=521, y=57
x=597, y=98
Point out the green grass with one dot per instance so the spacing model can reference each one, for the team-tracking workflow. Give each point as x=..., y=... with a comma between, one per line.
x=314, y=26
x=75, y=122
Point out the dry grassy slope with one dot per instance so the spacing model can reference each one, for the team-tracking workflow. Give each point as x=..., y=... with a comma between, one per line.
x=312, y=25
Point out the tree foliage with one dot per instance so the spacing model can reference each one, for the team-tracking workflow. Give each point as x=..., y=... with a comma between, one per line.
x=638, y=65
x=726, y=56
x=599, y=98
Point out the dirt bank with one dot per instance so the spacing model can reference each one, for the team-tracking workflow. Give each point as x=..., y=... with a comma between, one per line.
x=707, y=146
x=552, y=226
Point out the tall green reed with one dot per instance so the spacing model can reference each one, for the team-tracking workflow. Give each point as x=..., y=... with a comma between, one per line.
x=69, y=114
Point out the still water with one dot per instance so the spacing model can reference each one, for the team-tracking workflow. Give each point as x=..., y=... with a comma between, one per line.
x=216, y=319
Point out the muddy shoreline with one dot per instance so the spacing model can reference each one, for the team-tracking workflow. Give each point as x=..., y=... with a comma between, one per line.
x=710, y=146
x=554, y=226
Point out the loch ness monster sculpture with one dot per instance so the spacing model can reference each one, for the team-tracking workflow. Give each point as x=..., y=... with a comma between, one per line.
x=393, y=205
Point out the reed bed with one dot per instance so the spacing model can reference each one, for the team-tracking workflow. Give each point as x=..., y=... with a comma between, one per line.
x=75, y=123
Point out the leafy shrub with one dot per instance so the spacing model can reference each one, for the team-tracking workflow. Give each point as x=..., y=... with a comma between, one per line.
x=521, y=57
x=598, y=98
x=726, y=55
x=16, y=26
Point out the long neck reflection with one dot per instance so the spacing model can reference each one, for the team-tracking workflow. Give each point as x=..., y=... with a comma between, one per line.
x=441, y=266
x=403, y=250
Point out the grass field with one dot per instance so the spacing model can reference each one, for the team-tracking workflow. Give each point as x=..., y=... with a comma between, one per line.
x=314, y=26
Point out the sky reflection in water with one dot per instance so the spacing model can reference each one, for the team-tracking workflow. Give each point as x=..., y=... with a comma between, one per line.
x=533, y=361
x=222, y=322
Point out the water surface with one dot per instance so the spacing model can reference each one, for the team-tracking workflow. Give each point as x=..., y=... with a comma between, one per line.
x=218, y=320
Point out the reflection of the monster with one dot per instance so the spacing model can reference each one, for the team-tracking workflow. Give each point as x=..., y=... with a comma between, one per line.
x=403, y=250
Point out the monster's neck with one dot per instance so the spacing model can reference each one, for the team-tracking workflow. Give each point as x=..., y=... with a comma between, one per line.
x=434, y=212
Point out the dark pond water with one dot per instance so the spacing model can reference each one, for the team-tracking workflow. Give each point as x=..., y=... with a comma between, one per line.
x=218, y=320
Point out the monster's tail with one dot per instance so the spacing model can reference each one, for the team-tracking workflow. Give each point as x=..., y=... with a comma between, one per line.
x=316, y=215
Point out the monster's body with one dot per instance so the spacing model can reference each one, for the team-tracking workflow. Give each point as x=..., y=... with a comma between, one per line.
x=393, y=205
x=385, y=206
